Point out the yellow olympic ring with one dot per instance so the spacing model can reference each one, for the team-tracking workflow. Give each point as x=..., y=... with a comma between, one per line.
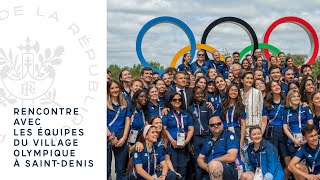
x=187, y=48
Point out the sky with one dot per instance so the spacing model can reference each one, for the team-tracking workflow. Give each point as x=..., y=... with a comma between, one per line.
x=125, y=18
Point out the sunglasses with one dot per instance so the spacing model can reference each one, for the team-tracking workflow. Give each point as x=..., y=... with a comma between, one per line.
x=176, y=100
x=215, y=124
x=200, y=54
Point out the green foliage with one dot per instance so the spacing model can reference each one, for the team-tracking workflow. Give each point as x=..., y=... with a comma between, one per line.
x=299, y=60
x=134, y=70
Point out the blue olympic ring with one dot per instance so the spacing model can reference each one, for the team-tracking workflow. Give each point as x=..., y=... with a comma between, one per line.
x=153, y=22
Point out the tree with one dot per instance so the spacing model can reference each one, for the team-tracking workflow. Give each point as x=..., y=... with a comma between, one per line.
x=135, y=70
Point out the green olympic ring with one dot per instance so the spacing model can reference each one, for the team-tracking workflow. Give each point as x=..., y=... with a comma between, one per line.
x=270, y=47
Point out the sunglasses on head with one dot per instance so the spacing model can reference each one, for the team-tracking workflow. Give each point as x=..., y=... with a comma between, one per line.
x=215, y=124
x=176, y=100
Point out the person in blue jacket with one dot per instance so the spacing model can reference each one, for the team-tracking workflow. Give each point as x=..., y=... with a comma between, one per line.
x=216, y=63
x=210, y=91
x=179, y=127
x=220, y=91
x=310, y=152
x=200, y=115
x=138, y=114
x=260, y=65
x=200, y=64
x=185, y=66
x=155, y=106
x=290, y=64
x=219, y=152
x=124, y=81
x=306, y=88
x=118, y=124
x=295, y=116
x=274, y=107
x=261, y=159
x=146, y=162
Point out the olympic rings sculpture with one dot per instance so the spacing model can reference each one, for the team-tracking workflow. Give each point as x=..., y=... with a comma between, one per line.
x=313, y=37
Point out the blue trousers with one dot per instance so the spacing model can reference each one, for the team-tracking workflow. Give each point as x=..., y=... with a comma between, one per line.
x=197, y=145
x=134, y=175
x=179, y=158
x=121, y=158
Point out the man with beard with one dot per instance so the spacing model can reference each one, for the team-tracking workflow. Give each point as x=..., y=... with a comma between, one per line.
x=288, y=77
x=167, y=80
x=219, y=152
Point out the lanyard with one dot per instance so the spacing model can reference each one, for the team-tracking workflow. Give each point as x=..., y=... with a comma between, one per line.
x=179, y=124
x=160, y=114
x=232, y=116
x=255, y=157
x=154, y=160
x=198, y=112
x=160, y=142
x=315, y=157
x=299, y=117
x=143, y=118
x=275, y=116
x=115, y=118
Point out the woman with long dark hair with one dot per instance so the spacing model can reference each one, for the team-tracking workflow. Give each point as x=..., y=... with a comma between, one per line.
x=118, y=124
x=179, y=127
x=245, y=64
x=314, y=105
x=211, y=73
x=220, y=91
x=261, y=86
x=290, y=63
x=274, y=107
x=202, y=83
x=185, y=66
x=232, y=113
x=253, y=100
x=306, y=88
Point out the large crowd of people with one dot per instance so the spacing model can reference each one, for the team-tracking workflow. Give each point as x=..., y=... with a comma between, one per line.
x=213, y=119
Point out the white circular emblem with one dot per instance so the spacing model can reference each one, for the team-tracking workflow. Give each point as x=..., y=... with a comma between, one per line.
x=232, y=137
x=135, y=155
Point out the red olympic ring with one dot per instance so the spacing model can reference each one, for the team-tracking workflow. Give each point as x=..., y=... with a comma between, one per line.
x=302, y=23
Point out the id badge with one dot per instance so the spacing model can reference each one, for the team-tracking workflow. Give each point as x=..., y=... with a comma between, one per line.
x=180, y=139
x=258, y=174
x=154, y=176
x=298, y=137
x=231, y=129
x=133, y=136
x=240, y=170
